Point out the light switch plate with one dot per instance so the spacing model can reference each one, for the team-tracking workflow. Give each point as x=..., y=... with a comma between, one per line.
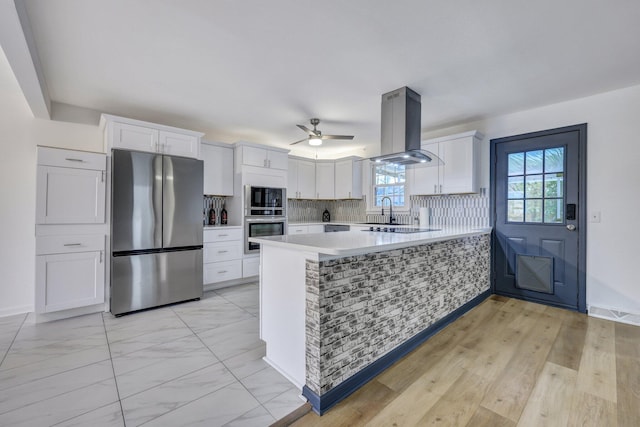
x=595, y=216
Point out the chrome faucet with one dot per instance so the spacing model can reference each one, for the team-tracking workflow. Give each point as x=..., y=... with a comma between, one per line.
x=391, y=218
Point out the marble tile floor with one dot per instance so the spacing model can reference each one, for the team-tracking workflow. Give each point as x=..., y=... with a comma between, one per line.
x=196, y=363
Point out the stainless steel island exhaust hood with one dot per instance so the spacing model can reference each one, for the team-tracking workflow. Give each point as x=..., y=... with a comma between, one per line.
x=401, y=130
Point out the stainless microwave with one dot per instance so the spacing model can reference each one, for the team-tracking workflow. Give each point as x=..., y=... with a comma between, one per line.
x=265, y=201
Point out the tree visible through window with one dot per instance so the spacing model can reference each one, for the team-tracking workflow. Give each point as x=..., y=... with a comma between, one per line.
x=389, y=181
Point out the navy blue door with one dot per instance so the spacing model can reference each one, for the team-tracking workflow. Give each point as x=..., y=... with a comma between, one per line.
x=539, y=216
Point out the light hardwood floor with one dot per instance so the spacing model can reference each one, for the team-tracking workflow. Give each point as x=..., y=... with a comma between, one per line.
x=506, y=363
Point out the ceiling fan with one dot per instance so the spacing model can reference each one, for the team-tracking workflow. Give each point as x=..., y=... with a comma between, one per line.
x=315, y=136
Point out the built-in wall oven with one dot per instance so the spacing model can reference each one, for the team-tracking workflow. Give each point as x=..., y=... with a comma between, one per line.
x=262, y=227
x=265, y=214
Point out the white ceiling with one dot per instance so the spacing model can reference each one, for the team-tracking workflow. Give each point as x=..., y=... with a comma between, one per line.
x=251, y=70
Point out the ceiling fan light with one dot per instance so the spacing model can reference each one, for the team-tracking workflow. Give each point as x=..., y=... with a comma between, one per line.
x=315, y=141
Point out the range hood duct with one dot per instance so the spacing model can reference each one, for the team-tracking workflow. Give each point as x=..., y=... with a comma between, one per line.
x=401, y=130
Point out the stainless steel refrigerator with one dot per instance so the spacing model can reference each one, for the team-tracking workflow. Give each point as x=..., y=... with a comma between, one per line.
x=156, y=230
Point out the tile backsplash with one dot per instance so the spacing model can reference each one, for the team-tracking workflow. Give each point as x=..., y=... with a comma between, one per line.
x=447, y=210
x=454, y=210
x=340, y=210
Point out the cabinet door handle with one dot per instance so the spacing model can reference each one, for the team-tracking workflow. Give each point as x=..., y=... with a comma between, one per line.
x=435, y=188
x=103, y=175
x=71, y=159
x=222, y=271
x=269, y=163
x=100, y=257
x=349, y=194
x=222, y=235
x=440, y=188
x=73, y=244
x=222, y=252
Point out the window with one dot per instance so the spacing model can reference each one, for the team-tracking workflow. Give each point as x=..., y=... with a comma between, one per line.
x=535, y=189
x=389, y=181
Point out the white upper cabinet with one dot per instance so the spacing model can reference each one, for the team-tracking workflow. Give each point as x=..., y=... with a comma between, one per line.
x=426, y=179
x=218, y=169
x=348, y=179
x=325, y=180
x=179, y=144
x=264, y=157
x=130, y=134
x=459, y=172
x=301, y=179
x=134, y=137
x=70, y=187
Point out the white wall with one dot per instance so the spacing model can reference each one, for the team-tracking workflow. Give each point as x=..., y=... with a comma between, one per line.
x=19, y=135
x=613, y=180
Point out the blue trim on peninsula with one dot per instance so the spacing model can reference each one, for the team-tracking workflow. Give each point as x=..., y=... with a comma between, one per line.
x=320, y=404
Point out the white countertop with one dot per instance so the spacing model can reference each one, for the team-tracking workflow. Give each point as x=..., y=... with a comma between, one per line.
x=356, y=242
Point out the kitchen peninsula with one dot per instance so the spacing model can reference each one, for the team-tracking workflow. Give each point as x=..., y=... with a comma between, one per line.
x=338, y=308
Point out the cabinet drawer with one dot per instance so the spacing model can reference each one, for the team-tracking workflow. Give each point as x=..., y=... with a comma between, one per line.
x=222, y=271
x=298, y=229
x=69, y=243
x=222, y=251
x=71, y=159
x=222, y=235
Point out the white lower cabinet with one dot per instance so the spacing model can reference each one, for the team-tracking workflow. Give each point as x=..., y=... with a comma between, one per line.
x=70, y=272
x=250, y=266
x=222, y=271
x=316, y=228
x=305, y=229
x=222, y=257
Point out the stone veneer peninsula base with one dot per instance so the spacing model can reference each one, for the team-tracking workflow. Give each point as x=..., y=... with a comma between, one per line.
x=332, y=323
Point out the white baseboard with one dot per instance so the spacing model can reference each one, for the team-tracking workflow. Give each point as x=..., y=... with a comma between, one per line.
x=615, y=315
x=65, y=314
x=11, y=311
x=284, y=374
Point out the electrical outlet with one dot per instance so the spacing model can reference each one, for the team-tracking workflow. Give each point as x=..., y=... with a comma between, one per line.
x=595, y=216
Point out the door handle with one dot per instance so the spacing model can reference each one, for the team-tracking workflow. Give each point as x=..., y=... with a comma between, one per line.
x=571, y=227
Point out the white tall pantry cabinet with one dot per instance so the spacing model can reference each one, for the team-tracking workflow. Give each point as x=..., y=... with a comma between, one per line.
x=70, y=231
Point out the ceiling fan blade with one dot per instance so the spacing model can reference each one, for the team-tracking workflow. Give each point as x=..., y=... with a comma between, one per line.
x=307, y=130
x=337, y=137
x=298, y=142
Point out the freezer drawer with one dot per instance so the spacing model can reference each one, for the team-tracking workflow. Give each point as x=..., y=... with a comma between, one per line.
x=150, y=280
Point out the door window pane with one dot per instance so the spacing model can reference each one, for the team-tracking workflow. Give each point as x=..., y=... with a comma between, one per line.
x=553, y=185
x=516, y=164
x=534, y=186
x=533, y=210
x=515, y=211
x=554, y=160
x=553, y=211
x=534, y=162
x=516, y=187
